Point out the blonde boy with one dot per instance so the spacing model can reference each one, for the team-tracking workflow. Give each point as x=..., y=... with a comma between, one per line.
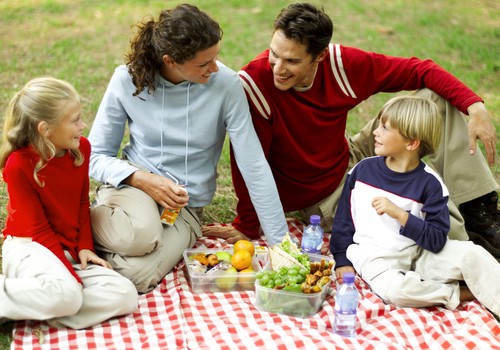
x=392, y=221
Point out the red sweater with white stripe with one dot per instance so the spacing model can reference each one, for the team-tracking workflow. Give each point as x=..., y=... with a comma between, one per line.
x=302, y=132
x=57, y=215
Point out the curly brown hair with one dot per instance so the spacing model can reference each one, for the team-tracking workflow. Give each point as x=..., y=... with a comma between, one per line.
x=179, y=33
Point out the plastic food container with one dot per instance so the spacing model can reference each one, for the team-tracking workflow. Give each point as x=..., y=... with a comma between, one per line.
x=222, y=281
x=291, y=303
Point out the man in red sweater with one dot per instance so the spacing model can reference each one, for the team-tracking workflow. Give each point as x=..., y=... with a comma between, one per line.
x=300, y=91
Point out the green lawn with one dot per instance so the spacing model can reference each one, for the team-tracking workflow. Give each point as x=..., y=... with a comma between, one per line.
x=83, y=41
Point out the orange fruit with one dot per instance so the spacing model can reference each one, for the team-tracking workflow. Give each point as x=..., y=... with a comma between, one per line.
x=246, y=276
x=243, y=244
x=241, y=260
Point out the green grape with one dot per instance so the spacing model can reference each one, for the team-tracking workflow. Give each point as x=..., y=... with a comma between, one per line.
x=291, y=277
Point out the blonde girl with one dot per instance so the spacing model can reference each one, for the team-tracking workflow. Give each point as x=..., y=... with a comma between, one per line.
x=50, y=269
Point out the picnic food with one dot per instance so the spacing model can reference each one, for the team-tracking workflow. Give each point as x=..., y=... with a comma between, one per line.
x=295, y=291
x=209, y=260
x=298, y=279
x=288, y=278
x=287, y=254
x=243, y=244
x=315, y=281
x=205, y=278
x=228, y=279
x=241, y=259
x=224, y=256
x=293, y=270
x=246, y=276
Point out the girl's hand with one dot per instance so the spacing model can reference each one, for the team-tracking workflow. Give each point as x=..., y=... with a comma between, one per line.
x=87, y=256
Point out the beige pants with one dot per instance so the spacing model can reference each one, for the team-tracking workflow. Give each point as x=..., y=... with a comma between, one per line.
x=36, y=285
x=415, y=277
x=129, y=234
x=452, y=161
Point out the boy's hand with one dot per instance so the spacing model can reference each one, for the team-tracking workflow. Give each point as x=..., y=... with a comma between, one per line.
x=339, y=272
x=87, y=256
x=382, y=205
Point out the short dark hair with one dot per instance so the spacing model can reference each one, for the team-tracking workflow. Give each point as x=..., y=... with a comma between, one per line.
x=306, y=24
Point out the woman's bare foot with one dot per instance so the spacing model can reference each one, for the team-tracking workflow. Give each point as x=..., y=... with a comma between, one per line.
x=229, y=233
x=466, y=294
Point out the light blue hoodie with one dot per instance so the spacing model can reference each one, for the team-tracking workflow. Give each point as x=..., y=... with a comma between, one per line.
x=180, y=129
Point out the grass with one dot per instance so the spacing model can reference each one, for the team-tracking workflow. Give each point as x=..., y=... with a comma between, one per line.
x=83, y=41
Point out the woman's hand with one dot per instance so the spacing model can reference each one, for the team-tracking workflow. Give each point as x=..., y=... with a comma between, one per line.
x=163, y=190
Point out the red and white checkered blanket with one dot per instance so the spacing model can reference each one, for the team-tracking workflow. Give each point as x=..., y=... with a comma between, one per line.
x=172, y=317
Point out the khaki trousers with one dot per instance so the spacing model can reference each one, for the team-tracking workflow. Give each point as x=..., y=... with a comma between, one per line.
x=129, y=234
x=452, y=161
x=36, y=285
x=415, y=277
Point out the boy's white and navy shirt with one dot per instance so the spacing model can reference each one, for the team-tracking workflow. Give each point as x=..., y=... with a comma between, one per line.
x=421, y=192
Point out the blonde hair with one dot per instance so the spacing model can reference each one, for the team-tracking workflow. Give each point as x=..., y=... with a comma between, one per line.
x=40, y=100
x=416, y=118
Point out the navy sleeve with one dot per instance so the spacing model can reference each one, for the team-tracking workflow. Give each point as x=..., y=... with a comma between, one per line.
x=432, y=232
x=343, y=226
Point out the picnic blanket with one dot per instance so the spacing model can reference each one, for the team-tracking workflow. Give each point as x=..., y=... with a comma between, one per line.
x=173, y=317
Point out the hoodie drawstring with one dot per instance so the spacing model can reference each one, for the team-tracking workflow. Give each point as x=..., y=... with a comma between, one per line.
x=163, y=121
x=187, y=134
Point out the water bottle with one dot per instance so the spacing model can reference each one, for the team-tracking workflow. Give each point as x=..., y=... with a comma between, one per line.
x=312, y=237
x=346, y=305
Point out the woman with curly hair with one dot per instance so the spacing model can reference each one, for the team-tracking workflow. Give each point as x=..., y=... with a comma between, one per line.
x=179, y=102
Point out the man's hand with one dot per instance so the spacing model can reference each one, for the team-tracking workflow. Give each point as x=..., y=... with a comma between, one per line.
x=481, y=127
x=229, y=233
x=87, y=256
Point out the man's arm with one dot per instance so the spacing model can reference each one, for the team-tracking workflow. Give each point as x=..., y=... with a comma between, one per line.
x=393, y=74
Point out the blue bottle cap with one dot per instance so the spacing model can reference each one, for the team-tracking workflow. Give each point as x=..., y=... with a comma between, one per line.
x=348, y=277
x=314, y=219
